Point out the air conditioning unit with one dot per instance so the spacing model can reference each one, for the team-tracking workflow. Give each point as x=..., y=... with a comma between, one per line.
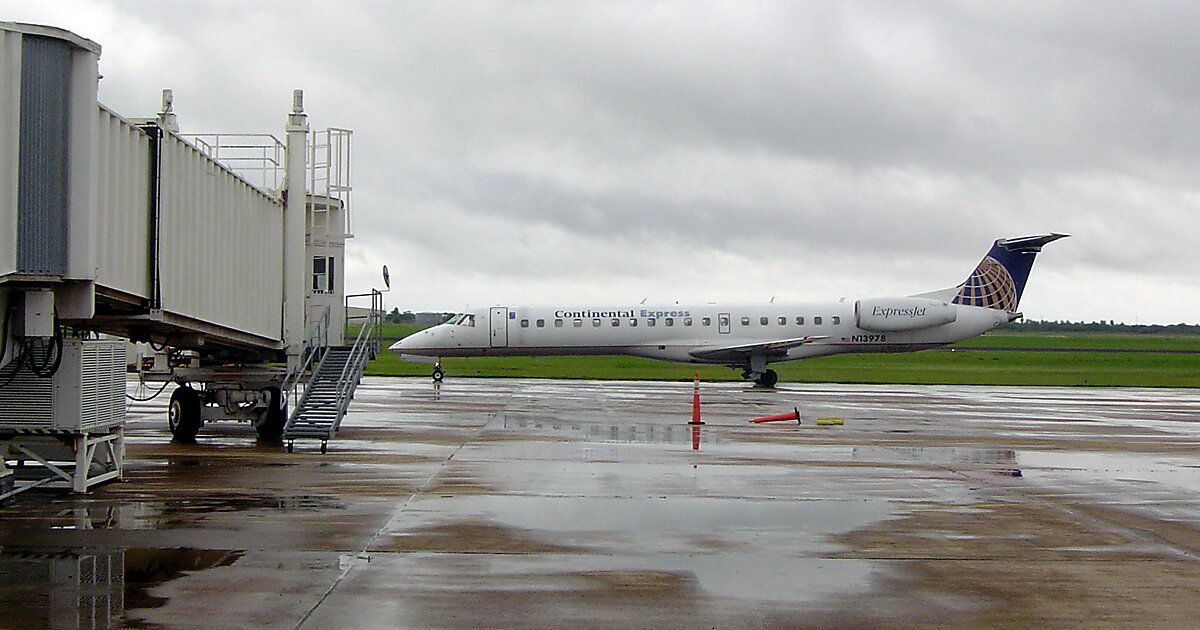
x=85, y=395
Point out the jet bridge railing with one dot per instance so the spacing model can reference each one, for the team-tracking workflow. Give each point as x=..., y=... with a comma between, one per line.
x=372, y=319
x=258, y=158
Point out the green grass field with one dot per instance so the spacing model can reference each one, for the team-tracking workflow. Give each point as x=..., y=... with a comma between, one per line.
x=1121, y=365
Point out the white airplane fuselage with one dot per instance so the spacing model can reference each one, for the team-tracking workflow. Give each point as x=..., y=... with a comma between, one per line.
x=746, y=336
x=677, y=331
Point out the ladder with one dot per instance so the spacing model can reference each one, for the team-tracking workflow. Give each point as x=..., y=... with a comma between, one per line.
x=326, y=397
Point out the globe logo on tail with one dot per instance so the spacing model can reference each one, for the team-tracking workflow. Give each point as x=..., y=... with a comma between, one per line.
x=990, y=286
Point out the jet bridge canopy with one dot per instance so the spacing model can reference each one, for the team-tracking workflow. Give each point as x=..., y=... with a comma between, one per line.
x=141, y=232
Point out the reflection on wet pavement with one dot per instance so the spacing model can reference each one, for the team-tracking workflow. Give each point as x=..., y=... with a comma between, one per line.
x=518, y=503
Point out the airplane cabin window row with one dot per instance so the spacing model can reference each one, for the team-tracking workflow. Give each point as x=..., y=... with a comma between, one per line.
x=670, y=321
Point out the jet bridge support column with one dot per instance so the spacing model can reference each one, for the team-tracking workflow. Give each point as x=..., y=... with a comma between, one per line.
x=295, y=271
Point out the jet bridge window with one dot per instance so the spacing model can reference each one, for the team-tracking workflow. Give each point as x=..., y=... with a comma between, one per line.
x=322, y=274
x=541, y=323
x=558, y=323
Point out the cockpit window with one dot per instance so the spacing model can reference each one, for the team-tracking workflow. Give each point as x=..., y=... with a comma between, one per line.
x=465, y=319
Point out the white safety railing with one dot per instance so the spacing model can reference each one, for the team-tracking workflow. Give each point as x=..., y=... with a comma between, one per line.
x=259, y=158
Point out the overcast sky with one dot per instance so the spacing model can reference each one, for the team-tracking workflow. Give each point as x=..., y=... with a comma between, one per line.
x=576, y=152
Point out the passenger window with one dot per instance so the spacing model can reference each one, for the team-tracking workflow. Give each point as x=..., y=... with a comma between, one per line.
x=524, y=323
x=670, y=321
x=762, y=321
x=650, y=321
x=836, y=320
x=816, y=321
x=707, y=321
x=616, y=323
x=783, y=321
x=579, y=323
x=541, y=323
x=633, y=323
x=687, y=321
x=595, y=323
x=799, y=321
x=558, y=323
x=745, y=321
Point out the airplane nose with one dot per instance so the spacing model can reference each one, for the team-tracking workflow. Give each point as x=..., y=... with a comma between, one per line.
x=414, y=343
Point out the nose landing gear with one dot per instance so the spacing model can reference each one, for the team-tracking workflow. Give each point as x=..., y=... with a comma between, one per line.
x=438, y=373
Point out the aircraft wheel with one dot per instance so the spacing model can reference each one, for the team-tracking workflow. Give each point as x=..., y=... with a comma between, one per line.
x=183, y=414
x=271, y=420
x=768, y=379
x=438, y=374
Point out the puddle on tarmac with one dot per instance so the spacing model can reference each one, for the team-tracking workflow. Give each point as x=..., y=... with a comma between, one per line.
x=1168, y=471
x=91, y=587
x=997, y=459
x=128, y=513
x=603, y=431
x=671, y=513
x=768, y=576
x=761, y=576
x=653, y=525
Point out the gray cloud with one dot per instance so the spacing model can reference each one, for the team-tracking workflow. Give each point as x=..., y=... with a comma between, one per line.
x=718, y=150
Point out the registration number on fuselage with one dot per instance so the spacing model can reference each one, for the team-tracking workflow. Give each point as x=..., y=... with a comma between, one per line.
x=868, y=338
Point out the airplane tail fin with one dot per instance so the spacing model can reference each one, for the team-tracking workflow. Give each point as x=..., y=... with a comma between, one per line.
x=1000, y=277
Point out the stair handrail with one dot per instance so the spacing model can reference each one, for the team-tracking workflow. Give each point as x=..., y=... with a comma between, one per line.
x=316, y=337
x=359, y=355
x=366, y=345
x=307, y=390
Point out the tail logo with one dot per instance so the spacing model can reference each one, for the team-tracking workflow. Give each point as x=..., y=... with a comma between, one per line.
x=990, y=286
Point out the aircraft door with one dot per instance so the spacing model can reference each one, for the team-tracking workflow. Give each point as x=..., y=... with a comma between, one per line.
x=499, y=327
x=723, y=323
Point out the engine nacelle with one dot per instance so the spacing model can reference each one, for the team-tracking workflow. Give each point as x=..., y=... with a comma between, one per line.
x=900, y=314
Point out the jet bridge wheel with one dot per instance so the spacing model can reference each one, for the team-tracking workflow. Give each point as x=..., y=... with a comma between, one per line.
x=272, y=419
x=183, y=414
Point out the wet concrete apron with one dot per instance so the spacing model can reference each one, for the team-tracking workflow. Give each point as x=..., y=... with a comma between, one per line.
x=516, y=503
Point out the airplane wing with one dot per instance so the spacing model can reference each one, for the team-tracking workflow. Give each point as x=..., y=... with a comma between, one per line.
x=768, y=348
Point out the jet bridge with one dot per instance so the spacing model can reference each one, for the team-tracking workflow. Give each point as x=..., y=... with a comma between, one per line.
x=226, y=252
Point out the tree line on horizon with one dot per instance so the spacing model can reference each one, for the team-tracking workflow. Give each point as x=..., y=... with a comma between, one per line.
x=1103, y=326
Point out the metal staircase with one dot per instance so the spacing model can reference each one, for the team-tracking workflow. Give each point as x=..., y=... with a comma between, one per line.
x=322, y=405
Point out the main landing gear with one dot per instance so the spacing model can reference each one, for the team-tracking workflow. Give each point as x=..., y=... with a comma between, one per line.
x=756, y=370
x=766, y=378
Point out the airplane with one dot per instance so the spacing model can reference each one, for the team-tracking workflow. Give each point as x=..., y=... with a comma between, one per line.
x=748, y=337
